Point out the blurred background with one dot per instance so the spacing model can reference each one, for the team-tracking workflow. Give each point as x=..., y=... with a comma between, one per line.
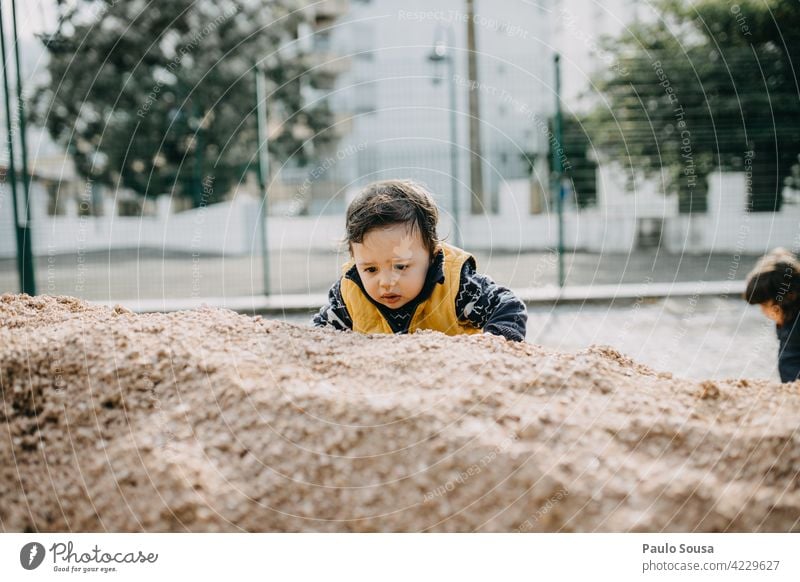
x=191, y=149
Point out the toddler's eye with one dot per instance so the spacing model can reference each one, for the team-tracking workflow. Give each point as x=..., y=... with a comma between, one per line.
x=370, y=269
x=401, y=267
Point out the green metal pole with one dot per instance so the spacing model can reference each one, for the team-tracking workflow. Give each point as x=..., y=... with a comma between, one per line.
x=23, y=234
x=197, y=170
x=263, y=168
x=559, y=172
x=29, y=280
x=12, y=172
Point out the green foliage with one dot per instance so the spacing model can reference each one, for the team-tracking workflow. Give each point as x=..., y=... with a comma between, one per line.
x=579, y=166
x=709, y=85
x=160, y=97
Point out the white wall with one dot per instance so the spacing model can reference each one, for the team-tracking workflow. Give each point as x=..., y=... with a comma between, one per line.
x=728, y=226
x=643, y=199
x=7, y=232
x=232, y=228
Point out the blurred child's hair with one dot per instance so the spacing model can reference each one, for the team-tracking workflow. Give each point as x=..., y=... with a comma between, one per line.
x=391, y=202
x=776, y=278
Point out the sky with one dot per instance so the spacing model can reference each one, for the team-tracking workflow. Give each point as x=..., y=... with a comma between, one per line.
x=32, y=16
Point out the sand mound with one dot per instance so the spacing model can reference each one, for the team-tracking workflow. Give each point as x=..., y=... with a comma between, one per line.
x=211, y=421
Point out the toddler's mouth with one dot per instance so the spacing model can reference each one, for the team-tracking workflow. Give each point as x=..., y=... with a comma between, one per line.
x=390, y=298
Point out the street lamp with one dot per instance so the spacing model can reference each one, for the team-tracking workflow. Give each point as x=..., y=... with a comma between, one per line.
x=441, y=53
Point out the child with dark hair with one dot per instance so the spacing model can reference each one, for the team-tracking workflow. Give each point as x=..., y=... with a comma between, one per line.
x=402, y=278
x=774, y=285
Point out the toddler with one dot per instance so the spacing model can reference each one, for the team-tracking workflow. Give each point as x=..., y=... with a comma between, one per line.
x=402, y=278
x=774, y=285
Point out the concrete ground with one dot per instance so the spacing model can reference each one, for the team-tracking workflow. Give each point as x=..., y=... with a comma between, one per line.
x=149, y=274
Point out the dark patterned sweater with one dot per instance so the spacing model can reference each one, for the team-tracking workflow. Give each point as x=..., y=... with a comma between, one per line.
x=789, y=350
x=480, y=301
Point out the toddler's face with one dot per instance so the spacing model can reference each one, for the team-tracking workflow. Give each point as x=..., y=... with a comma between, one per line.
x=392, y=263
x=773, y=311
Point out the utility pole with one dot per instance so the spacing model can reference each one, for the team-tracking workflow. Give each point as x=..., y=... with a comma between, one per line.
x=263, y=168
x=475, y=166
x=21, y=219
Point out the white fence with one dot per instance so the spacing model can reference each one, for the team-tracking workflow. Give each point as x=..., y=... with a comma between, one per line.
x=232, y=228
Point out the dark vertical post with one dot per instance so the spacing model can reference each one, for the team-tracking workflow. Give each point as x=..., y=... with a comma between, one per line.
x=22, y=223
x=197, y=169
x=476, y=163
x=559, y=171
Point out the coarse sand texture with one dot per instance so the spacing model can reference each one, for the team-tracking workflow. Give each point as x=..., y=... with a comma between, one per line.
x=207, y=420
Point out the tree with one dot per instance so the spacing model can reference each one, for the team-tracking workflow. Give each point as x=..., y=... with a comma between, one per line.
x=708, y=85
x=160, y=97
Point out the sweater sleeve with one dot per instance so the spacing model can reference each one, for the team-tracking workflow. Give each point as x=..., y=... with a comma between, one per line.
x=489, y=306
x=334, y=313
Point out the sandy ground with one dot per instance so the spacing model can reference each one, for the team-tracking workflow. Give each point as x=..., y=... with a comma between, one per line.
x=698, y=338
x=211, y=421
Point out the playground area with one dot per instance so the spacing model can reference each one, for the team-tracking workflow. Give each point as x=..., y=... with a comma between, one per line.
x=207, y=420
x=700, y=336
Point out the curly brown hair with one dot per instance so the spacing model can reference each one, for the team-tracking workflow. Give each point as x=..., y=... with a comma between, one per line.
x=776, y=278
x=390, y=202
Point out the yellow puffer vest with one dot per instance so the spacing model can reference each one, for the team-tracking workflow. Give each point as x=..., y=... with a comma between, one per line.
x=438, y=312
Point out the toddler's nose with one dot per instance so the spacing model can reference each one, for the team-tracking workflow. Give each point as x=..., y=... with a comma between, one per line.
x=388, y=281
